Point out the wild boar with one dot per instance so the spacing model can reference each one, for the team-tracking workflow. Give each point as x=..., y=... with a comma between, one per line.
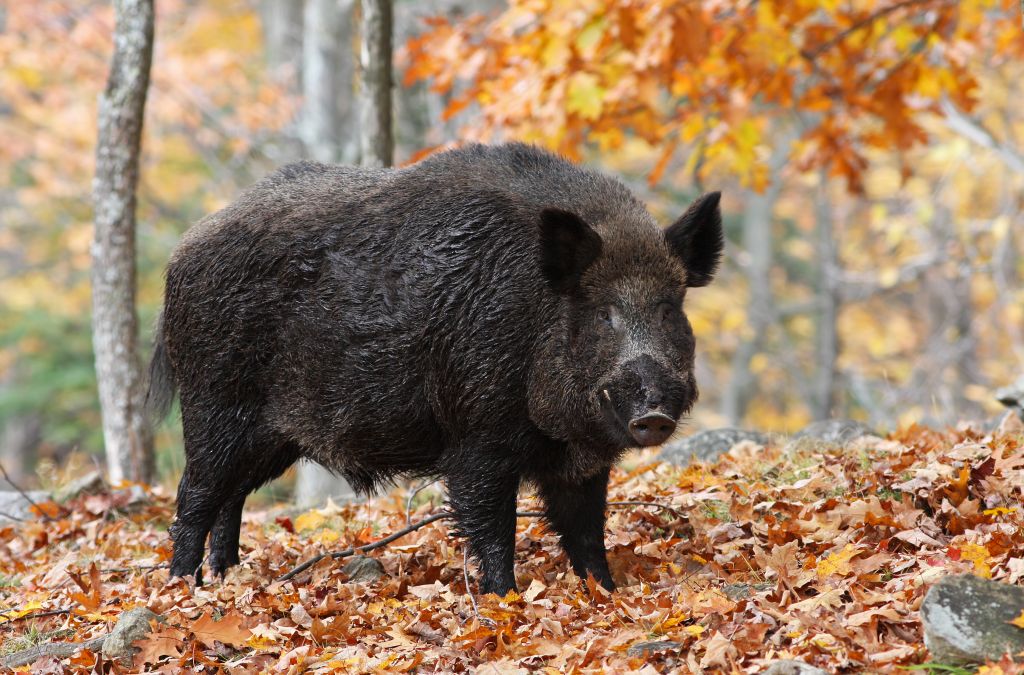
x=493, y=315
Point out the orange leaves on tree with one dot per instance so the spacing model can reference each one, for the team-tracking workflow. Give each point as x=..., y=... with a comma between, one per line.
x=859, y=72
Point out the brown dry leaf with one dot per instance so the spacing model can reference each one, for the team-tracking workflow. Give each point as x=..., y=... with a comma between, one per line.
x=228, y=630
x=719, y=652
x=167, y=641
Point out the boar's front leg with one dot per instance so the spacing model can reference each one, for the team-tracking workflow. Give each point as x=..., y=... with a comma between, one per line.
x=576, y=511
x=484, y=501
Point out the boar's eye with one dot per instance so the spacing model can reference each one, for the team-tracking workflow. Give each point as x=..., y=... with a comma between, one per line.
x=604, y=316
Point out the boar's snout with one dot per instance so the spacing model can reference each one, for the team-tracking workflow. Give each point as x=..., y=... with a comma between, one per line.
x=651, y=429
x=644, y=401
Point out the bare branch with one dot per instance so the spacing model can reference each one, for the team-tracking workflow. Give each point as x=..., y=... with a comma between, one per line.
x=863, y=23
x=444, y=515
x=28, y=499
x=973, y=130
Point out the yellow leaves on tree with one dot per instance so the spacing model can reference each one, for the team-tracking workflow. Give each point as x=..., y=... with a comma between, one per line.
x=713, y=75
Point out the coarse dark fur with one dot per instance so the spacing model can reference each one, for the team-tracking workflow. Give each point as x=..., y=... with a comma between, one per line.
x=491, y=315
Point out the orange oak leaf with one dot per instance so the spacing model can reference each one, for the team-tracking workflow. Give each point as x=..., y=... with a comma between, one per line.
x=228, y=630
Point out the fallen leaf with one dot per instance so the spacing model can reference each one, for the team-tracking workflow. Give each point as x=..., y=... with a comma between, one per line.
x=228, y=630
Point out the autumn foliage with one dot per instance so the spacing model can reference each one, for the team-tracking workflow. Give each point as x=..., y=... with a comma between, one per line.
x=805, y=551
x=716, y=77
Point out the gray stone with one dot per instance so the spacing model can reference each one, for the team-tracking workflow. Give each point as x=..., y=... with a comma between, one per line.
x=1012, y=396
x=644, y=649
x=792, y=667
x=737, y=592
x=14, y=506
x=835, y=432
x=363, y=569
x=90, y=484
x=708, y=446
x=966, y=619
x=131, y=626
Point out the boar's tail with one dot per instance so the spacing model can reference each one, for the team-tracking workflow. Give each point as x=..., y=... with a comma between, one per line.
x=161, y=377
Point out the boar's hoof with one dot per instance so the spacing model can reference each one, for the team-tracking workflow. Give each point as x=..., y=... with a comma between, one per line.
x=652, y=429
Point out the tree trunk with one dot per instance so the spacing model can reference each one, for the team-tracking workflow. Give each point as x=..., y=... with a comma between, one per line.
x=757, y=243
x=758, y=216
x=375, y=82
x=282, y=37
x=20, y=434
x=126, y=435
x=315, y=484
x=325, y=63
x=827, y=338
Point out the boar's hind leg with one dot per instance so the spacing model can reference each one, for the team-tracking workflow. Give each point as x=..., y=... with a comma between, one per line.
x=199, y=500
x=215, y=466
x=577, y=513
x=485, y=511
x=260, y=468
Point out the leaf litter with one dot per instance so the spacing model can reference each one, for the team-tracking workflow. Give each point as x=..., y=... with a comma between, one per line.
x=808, y=552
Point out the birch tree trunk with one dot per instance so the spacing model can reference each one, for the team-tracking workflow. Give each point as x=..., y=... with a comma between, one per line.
x=375, y=83
x=327, y=64
x=126, y=435
x=758, y=218
x=827, y=337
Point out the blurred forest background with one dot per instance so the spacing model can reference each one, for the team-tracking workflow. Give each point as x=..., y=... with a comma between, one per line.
x=870, y=154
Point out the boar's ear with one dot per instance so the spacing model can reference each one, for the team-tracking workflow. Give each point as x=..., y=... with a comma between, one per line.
x=696, y=239
x=567, y=247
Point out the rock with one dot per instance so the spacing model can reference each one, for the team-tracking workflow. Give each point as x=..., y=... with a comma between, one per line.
x=835, y=432
x=966, y=619
x=90, y=484
x=792, y=667
x=1012, y=396
x=363, y=569
x=645, y=649
x=14, y=506
x=131, y=626
x=708, y=446
x=737, y=592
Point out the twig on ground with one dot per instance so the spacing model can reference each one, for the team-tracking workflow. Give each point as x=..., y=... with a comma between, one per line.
x=664, y=507
x=9, y=516
x=465, y=576
x=426, y=521
x=136, y=568
x=60, y=650
x=362, y=549
x=36, y=615
x=25, y=496
x=408, y=502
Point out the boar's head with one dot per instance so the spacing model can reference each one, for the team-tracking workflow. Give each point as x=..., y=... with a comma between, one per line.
x=617, y=363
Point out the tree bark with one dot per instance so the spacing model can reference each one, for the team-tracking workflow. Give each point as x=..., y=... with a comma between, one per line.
x=324, y=69
x=375, y=83
x=758, y=217
x=757, y=243
x=282, y=37
x=827, y=338
x=126, y=435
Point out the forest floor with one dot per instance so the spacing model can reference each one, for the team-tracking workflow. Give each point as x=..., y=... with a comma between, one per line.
x=801, y=552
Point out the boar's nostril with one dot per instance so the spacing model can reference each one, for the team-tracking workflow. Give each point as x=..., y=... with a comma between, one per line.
x=651, y=429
